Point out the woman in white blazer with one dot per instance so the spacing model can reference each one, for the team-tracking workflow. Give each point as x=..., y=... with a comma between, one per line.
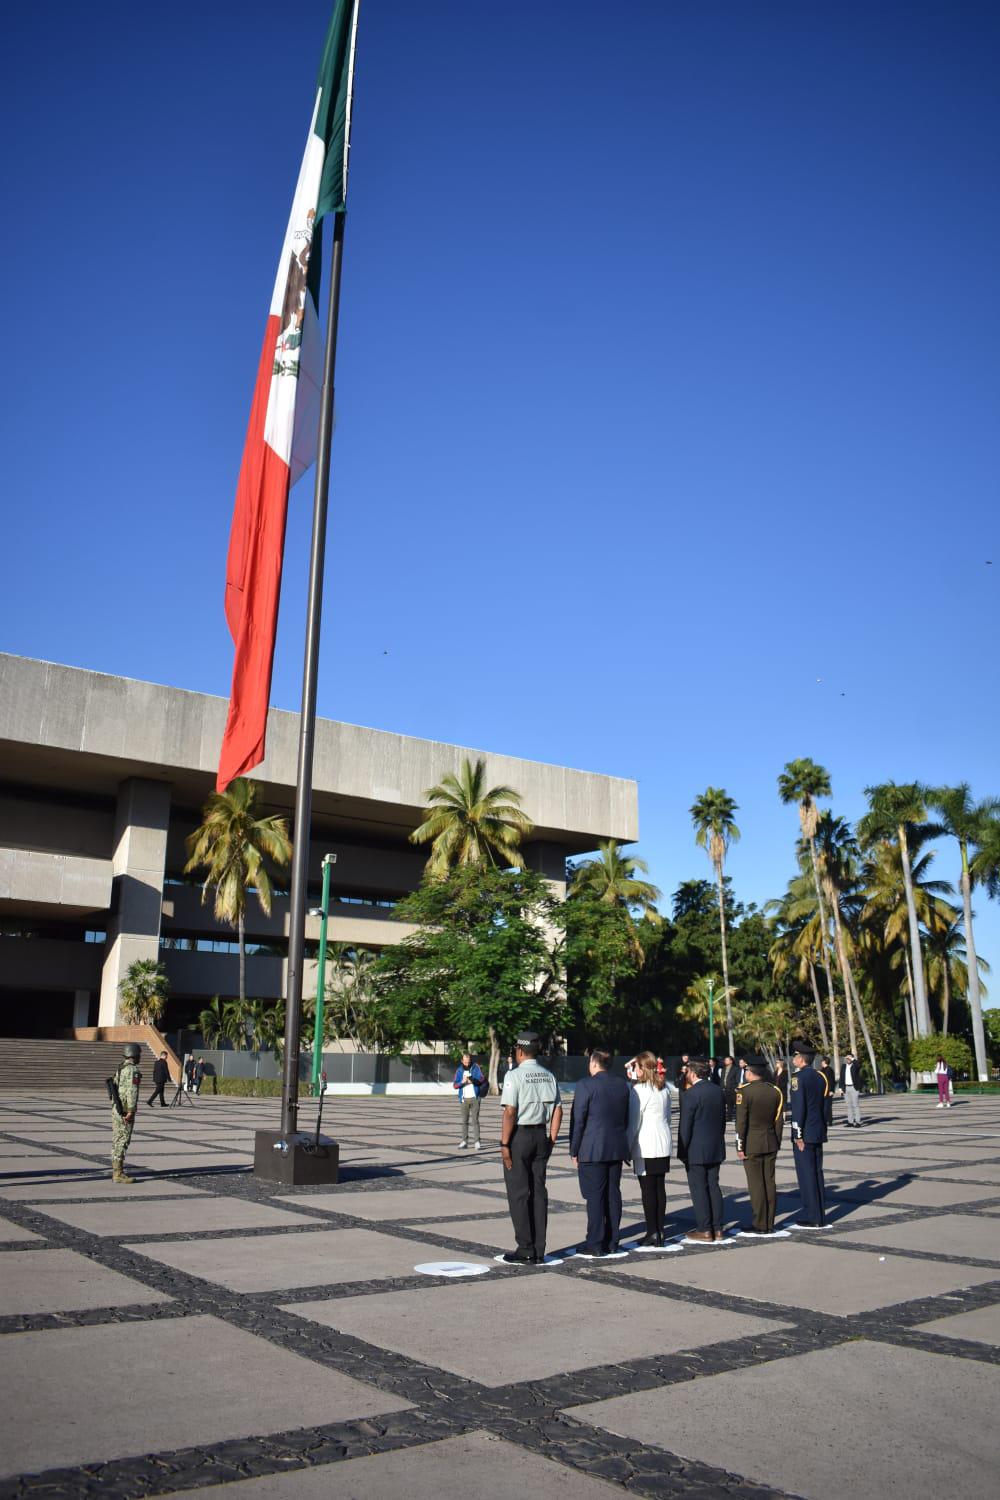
x=650, y=1143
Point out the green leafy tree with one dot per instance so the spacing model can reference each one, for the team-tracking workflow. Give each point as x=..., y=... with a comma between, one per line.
x=991, y=1023
x=715, y=829
x=924, y=1051
x=602, y=952
x=895, y=812
x=802, y=781
x=143, y=992
x=705, y=993
x=469, y=823
x=480, y=965
x=965, y=821
x=231, y=845
x=603, y=948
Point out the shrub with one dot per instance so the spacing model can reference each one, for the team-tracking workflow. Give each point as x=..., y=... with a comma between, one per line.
x=245, y=1088
x=924, y=1050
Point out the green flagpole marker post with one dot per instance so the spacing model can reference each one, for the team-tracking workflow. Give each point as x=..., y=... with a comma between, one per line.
x=329, y=860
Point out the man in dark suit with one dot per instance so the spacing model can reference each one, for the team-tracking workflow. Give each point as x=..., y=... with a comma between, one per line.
x=701, y=1140
x=730, y=1080
x=808, y=1108
x=598, y=1144
x=850, y=1082
x=161, y=1077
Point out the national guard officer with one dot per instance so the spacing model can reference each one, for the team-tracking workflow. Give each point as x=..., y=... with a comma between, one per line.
x=808, y=1091
x=124, y=1089
x=529, y=1126
x=759, y=1124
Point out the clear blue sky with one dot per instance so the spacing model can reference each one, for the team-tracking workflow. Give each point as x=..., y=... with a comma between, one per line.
x=668, y=383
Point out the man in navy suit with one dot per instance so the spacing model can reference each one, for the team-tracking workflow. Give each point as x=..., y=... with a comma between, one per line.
x=808, y=1102
x=701, y=1146
x=598, y=1144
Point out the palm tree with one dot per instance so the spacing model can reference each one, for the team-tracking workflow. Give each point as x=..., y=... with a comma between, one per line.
x=948, y=961
x=802, y=781
x=715, y=830
x=895, y=812
x=885, y=910
x=799, y=938
x=611, y=880
x=985, y=865
x=143, y=991
x=231, y=845
x=837, y=862
x=468, y=823
x=965, y=821
x=213, y=1023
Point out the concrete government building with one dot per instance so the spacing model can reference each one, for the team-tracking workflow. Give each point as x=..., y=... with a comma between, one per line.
x=101, y=780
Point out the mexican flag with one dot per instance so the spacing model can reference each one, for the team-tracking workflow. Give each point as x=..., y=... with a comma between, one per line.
x=281, y=436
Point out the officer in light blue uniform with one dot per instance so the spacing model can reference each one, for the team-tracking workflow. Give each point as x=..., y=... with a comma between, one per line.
x=808, y=1091
x=532, y=1114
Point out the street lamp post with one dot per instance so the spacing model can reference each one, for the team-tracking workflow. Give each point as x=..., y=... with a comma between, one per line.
x=711, y=1023
x=329, y=860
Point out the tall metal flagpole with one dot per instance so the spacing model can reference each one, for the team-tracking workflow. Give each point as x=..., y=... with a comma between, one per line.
x=307, y=723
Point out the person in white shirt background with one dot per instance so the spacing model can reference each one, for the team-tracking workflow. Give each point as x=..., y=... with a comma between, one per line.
x=943, y=1074
x=650, y=1143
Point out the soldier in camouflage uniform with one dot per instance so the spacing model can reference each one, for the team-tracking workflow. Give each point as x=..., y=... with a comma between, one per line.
x=128, y=1079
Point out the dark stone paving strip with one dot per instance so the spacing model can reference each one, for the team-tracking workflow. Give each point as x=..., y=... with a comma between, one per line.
x=238, y=1458
x=940, y=1258
x=92, y=1317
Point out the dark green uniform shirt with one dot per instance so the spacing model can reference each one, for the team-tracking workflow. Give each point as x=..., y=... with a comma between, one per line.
x=759, y=1118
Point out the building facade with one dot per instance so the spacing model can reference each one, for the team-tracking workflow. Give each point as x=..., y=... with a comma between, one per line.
x=101, y=780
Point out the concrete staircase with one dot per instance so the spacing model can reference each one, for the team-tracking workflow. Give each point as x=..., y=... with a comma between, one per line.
x=43, y=1065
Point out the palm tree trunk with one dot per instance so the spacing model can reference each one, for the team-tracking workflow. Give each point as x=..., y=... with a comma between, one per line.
x=243, y=962
x=853, y=994
x=922, y=1016
x=494, y=1068
x=819, y=1005
x=945, y=994
x=844, y=967
x=824, y=938
x=725, y=959
x=975, y=999
x=911, y=1013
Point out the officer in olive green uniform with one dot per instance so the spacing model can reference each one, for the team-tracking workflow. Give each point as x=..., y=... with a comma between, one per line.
x=759, y=1123
x=532, y=1114
x=127, y=1079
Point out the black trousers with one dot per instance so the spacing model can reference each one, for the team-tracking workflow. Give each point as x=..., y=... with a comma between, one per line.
x=706, y=1195
x=762, y=1190
x=601, y=1186
x=653, y=1187
x=157, y=1094
x=527, y=1196
x=809, y=1171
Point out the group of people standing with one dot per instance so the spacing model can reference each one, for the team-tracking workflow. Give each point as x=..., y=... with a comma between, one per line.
x=615, y=1119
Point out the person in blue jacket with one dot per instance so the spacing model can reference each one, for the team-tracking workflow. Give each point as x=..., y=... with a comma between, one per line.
x=471, y=1085
x=807, y=1095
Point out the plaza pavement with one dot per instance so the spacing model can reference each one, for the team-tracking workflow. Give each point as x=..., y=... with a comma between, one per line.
x=200, y=1330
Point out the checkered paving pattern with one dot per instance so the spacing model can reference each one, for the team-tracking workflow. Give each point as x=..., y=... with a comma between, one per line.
x=200, y=1329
